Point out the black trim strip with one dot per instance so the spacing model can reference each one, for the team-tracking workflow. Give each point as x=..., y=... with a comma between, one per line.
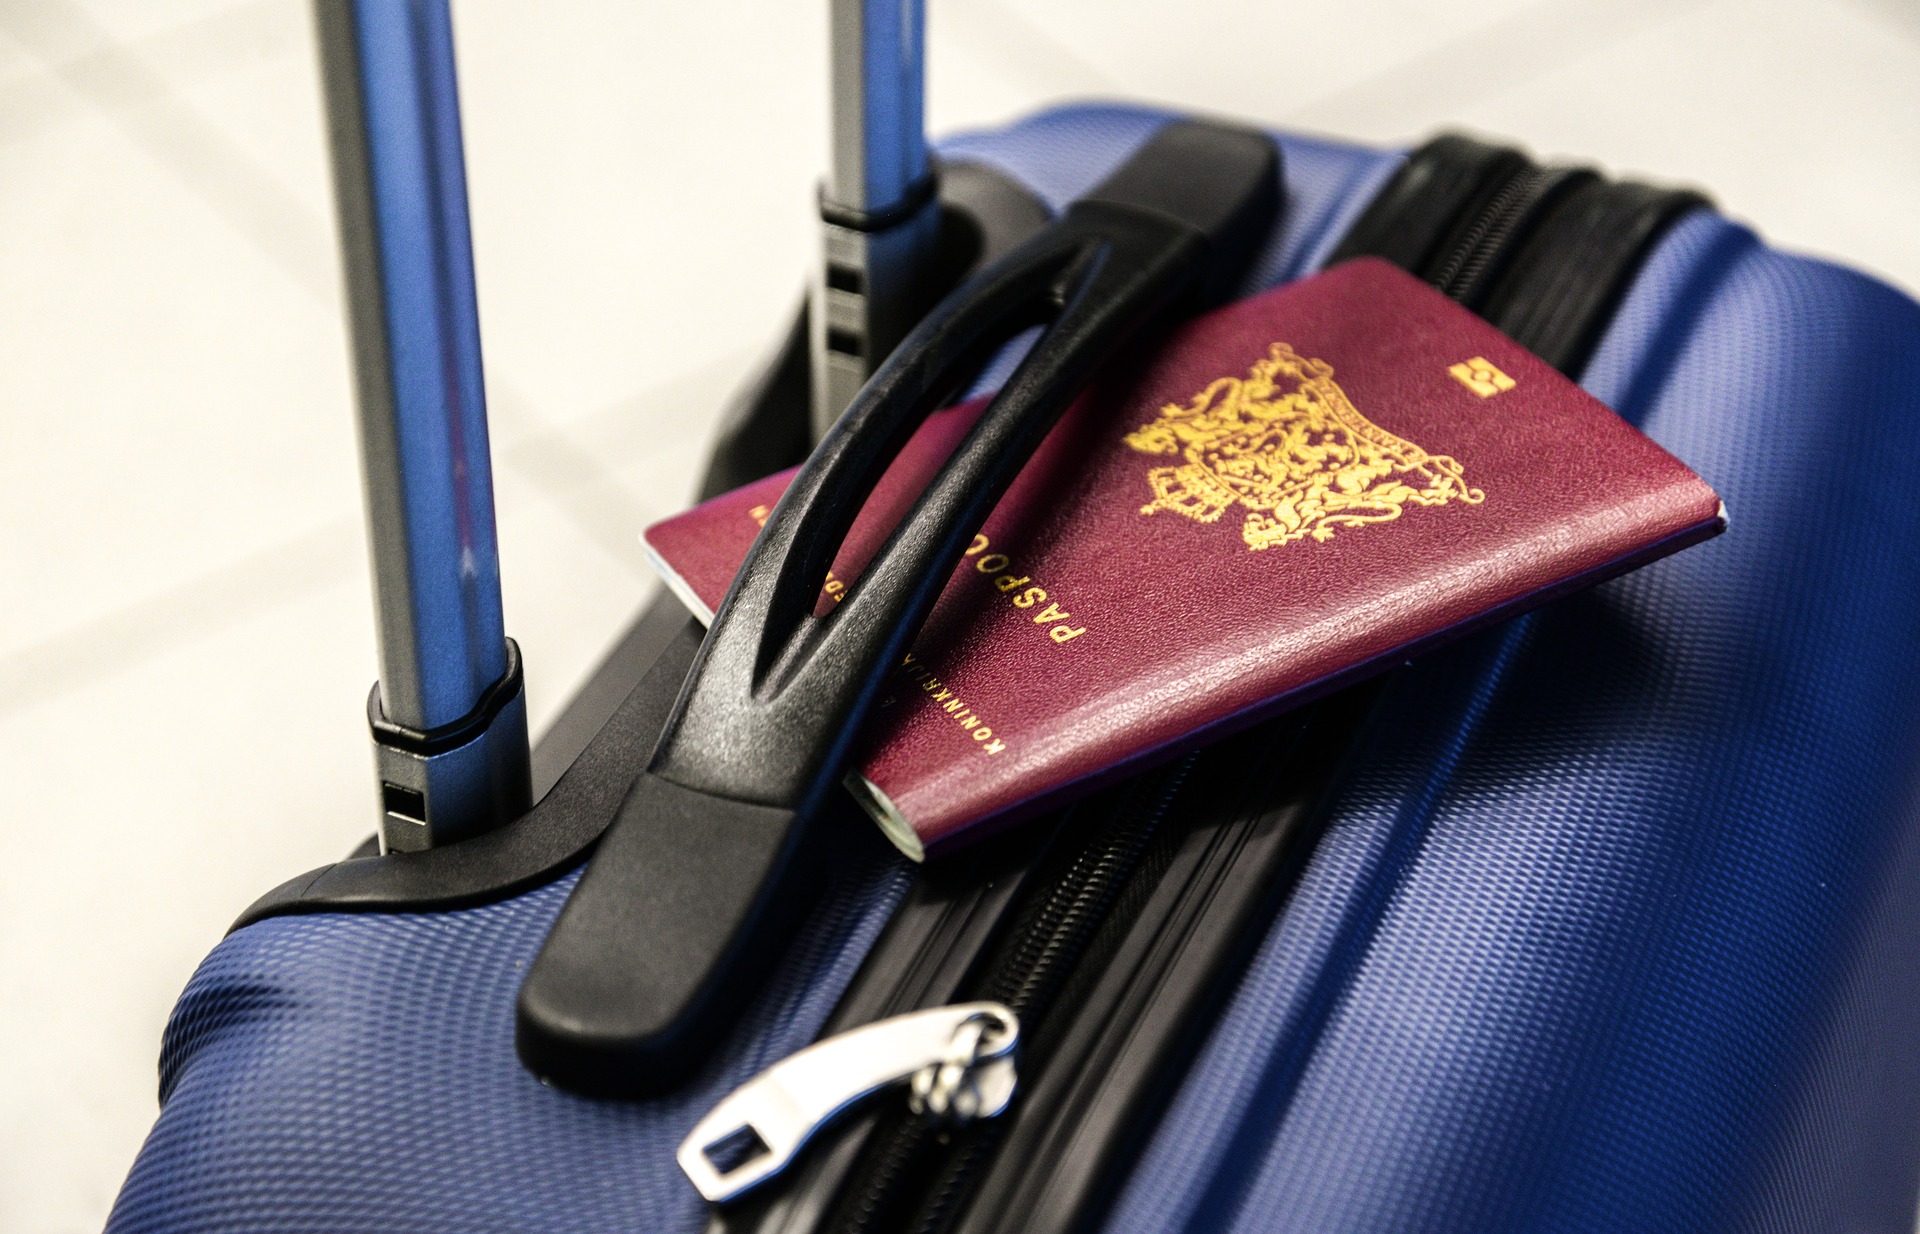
x=918, y=194
x=429, y=742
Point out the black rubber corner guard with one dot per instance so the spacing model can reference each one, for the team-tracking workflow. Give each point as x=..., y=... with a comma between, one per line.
x=552, y=838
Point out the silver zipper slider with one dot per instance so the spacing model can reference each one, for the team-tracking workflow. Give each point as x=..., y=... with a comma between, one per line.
x=960, y=1059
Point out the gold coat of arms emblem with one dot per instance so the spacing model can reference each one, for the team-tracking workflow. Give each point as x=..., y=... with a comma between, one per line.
x=1287, y=444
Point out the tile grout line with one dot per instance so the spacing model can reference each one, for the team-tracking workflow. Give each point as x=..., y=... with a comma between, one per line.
x=203, y=47
x=583, y=491
x=135, y=633
x=558, y=461
x=140, y=102
x=1439, y=72
x=1009, y=40
x=1904, y=18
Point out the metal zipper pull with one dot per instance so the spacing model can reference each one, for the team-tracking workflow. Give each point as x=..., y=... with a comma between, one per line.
x=959, y=1058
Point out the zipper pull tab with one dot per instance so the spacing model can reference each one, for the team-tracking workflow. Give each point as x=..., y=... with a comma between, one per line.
x=960, y=1059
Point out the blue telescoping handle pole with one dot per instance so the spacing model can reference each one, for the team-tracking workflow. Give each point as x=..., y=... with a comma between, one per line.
x=879, y=205
x=448, y=712
x=879, y=91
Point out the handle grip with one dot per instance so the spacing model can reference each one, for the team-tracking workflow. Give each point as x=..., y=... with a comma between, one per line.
x=679, y=912
x=633, y=980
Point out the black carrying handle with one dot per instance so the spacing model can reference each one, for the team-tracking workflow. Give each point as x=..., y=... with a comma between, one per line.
x=681, y=907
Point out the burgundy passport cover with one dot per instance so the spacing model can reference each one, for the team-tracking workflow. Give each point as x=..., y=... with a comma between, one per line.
x=1285, y=495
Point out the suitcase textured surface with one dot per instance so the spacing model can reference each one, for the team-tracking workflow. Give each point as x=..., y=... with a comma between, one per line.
x=1609, y=929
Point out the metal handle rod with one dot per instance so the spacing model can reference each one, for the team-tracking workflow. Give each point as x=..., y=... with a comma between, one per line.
x=879, y=88
x=400, y=182
x=879, y=211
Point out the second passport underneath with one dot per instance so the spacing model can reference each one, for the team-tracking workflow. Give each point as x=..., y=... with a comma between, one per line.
x=1286, y=495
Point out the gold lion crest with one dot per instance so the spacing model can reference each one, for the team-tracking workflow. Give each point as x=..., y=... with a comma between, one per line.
x=1286, y=443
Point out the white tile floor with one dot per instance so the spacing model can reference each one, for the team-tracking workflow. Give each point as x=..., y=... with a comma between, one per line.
x=185, y=643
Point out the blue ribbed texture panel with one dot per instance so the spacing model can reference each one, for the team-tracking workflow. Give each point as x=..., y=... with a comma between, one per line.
x=1610, y=929
x=348, y=1072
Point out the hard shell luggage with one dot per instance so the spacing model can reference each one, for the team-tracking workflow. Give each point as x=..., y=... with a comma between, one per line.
x=1592, y=921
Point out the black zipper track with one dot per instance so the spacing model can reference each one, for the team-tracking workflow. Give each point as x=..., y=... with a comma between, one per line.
x=972, y=1151
x=1477, y=257
x=1114, y=931
x=1037, y=956
x=1100, y=1068
x=1563, y=285
x=1043, y=948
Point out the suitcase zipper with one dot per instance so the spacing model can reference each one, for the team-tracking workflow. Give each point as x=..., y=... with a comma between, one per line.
x=1500, y=241
x=959, y=1060
x=1477, y=256
x=1074, y=878
x=1040, y=953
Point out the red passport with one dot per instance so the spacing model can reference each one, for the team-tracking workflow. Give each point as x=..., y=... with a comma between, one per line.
x=1288, y=494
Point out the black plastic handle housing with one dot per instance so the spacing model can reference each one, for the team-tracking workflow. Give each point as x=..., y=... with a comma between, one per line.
x=681, y=906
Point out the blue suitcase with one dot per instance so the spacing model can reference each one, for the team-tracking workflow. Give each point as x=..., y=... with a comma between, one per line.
x=1599, y=920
